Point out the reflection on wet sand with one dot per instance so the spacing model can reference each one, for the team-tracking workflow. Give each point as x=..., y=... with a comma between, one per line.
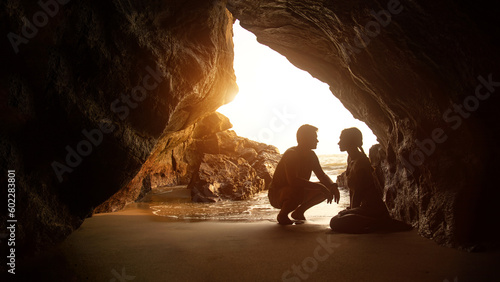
x=175, y=203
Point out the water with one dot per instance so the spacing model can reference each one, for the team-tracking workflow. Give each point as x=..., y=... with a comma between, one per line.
x=175, y=202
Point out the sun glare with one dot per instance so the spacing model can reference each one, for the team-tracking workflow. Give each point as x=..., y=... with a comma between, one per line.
x=275, y=98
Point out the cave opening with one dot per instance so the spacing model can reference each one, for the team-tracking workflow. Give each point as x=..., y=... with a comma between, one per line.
x=275, y=98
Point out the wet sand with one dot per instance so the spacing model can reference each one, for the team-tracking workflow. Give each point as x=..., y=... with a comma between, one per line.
x=135, y=245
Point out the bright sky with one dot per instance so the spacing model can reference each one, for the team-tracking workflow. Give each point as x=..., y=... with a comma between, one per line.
x=275, y=98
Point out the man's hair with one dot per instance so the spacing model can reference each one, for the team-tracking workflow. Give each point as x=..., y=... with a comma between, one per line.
x=305, y=131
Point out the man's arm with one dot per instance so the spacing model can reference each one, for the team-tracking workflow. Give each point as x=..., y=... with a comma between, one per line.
x=292, y=166
x=331, y=186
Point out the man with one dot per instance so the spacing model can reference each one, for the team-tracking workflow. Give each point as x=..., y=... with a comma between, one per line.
x=291, y=190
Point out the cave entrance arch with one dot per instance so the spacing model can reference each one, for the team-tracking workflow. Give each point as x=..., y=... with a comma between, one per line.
x=275, y=98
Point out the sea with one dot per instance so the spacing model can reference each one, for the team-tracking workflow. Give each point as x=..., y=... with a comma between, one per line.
x=174, y=203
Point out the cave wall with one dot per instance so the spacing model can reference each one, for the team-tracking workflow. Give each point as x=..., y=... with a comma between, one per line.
x=177, y=157
x=424, y=76
x=88, y=88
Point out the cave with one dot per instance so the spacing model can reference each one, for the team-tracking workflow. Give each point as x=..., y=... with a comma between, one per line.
x=101, y=99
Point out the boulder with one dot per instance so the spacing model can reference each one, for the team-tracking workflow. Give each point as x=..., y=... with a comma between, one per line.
x=342, y=180
x=265, y=164
x=176, y=161
x=220, y=177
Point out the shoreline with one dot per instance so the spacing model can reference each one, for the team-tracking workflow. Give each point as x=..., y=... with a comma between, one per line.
x=135, y=245
x=175, y=204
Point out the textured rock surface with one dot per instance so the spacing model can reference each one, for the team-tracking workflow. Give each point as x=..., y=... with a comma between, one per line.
x=177, y=158
x=262, y=157
x=107, y=80
x=410, y=72
x=232, y=167
x=172, y=161
x=142, y=69
x=220, y=177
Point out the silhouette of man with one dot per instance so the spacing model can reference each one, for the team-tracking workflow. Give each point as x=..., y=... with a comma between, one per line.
x=290, y=189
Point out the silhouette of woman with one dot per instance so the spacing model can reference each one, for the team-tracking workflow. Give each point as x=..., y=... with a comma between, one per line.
x=367, y=211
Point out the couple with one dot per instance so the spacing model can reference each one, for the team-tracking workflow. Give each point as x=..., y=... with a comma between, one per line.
x=292, y=192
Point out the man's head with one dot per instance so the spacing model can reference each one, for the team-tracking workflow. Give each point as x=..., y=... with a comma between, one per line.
x=307, y=136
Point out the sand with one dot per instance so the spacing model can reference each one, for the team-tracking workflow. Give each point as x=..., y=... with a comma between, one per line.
x=135, y=245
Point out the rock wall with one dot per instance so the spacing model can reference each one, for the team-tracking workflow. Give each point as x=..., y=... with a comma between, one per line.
x=203, y=149
x=87, y=90
x=424, y=76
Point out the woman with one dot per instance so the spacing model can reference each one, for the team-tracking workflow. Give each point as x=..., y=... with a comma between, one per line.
x=367, y=211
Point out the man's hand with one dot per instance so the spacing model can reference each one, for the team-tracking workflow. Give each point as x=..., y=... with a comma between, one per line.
x=332, y=193
x=329, y=197
x=334, y=189
x=326, y=191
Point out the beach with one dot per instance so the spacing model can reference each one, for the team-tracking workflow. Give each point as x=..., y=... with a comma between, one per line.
x=166, y=237
x=137, y=245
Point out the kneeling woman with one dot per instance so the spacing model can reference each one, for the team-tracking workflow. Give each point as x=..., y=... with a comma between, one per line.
x=367, y=211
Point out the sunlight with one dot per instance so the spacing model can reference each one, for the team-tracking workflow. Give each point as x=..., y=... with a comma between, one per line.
x=275, y=98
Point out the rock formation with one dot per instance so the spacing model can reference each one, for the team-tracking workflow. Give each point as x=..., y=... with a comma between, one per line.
x=220, y=177
x=181, y=158
x=87, y=94
x=424, y=77
x=239, y=170
x=90, y=89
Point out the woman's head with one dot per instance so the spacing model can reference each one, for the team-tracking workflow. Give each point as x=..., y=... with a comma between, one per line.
x=350, y=138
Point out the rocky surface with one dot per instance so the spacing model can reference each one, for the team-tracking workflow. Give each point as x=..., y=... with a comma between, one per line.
x=220, y=177
x=261, y=157
x=87, y=94
x=241, y=169
x=410, y=71
x=234, y=161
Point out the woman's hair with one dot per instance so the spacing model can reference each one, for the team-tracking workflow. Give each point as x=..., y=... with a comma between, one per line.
x=305, y=131
x=353, y=136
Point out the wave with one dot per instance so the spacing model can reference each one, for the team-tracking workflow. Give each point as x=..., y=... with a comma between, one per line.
x=332, y=165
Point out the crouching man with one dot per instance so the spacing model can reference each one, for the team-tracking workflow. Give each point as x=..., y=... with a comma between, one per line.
x=290, y=190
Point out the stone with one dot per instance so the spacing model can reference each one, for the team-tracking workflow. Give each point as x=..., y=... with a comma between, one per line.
x=377, y=160
x=342, y=180
x=265, y=164
x=176, y=159
x=249, y=154
x=220, y=177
